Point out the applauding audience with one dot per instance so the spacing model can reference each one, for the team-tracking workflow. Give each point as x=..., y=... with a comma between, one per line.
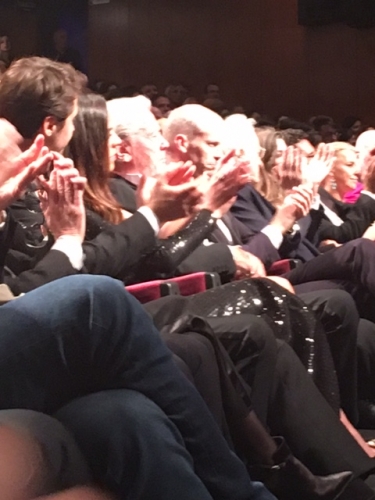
x=89, y=187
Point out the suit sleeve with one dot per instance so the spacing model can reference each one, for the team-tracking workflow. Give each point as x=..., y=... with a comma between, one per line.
x=246, y=211
x=53, y=266
x=256, y=243
x=113, y=253
x=215, y=258
x=358, y=220
x=117, y=250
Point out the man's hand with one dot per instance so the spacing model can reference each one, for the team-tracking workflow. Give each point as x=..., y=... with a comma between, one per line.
x=168, y=202
x=62, y=201
x=18, y=173
x=297, y=169
x=316, y=170
x=329, y=243
x=247, y=265
x=229, y=176
x=296, y=204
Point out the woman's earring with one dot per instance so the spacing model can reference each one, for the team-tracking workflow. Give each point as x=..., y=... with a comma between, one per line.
x=333, y=185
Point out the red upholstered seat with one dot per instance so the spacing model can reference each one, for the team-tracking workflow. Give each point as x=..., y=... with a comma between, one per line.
x=283, y=266
x=184, y=285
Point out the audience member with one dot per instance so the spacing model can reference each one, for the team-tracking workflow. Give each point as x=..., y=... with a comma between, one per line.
x=163, y=104
x=325, y=126
x=5, y=50
x=61, y=52
x=351, y=128
x=150, y=91
x=211, y=91
x=176, y=93
x=215, y=104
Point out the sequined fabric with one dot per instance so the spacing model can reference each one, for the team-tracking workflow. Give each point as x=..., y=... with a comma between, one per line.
x=162, y=261
x=290, y=319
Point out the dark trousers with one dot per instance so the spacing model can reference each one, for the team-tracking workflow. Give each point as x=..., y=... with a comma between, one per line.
x=132, y=446
x=366, y=360
x=280, y=384
x=40, y=457
x=338, y=314
x=87, y=334
x=350, y=267
x=195, y=355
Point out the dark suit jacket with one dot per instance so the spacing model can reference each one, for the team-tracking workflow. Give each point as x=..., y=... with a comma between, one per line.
x=256, y=243
x=357, y=218
x=124, y=192
x=255, y=212
x=214, y=258
x=113, y=253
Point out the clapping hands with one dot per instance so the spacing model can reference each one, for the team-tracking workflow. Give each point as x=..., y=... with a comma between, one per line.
x=299, y=169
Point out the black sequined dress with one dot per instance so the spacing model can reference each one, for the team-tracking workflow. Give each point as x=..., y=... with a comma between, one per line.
x=287, y=315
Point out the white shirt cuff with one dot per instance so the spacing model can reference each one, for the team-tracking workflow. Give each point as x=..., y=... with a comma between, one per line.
x=71, y=246
x=275, y=235
x=151, y=218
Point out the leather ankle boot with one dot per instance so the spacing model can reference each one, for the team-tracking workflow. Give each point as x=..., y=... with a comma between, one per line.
x=289, y=479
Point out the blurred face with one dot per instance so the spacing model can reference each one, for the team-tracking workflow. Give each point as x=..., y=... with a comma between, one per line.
x=150, y=91
x=279, y=153
x=148, y=147
x=114, y=143
x=328, y=133
x=213, y=92
x=205, y=150
x=356, y=128
x=164, y=105
x=346, y=170
x=177, y=94
x=306, y=148
x=62, y=133
x=4, y=44
x=61, y=39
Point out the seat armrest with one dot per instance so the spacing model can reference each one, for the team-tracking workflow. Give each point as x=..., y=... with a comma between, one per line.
x=153, y=290
x=283, y=266
x=191, y=284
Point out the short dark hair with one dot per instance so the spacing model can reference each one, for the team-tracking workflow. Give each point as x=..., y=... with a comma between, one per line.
x=293, y=136
x=34, y=88
x=318, y=122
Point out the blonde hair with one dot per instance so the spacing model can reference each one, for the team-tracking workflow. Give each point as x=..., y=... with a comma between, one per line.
x=269, y=186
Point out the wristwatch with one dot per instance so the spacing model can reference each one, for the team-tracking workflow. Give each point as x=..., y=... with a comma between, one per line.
x=293, y=230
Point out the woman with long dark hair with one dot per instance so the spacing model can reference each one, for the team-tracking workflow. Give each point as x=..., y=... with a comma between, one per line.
x=93, y=149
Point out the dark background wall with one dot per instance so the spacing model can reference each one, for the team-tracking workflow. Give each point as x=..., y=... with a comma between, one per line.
x=254, y=49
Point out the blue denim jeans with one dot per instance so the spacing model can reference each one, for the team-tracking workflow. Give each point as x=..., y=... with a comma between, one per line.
x=85, y=334
x=132, y=447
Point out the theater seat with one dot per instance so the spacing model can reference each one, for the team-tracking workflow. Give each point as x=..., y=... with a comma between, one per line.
x=283, y=266
x=182, y=285
x=152, y=290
